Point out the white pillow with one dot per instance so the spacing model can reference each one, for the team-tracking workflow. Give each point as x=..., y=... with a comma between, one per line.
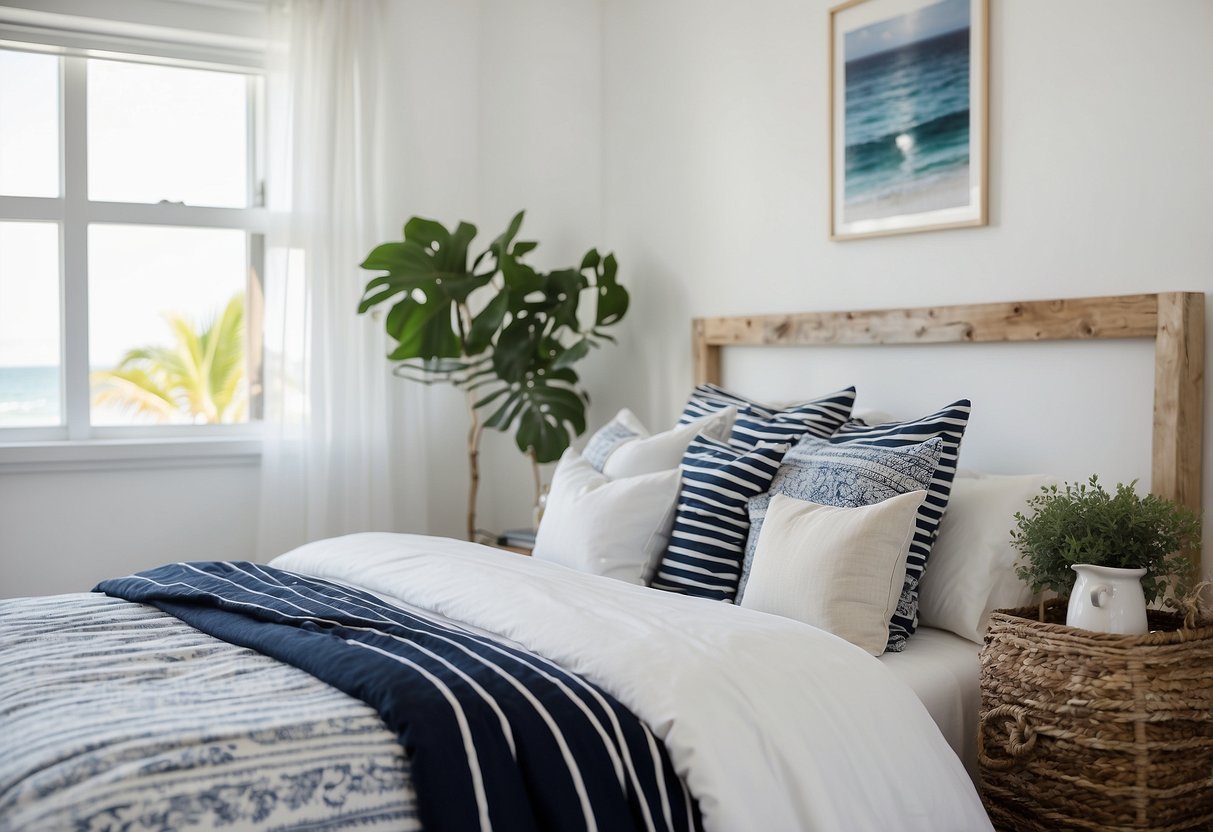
x=625, y=448
x=840, y=569
x=972, y=570
x=617, y=528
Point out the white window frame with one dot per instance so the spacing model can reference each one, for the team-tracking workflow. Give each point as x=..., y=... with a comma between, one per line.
x=76, y=440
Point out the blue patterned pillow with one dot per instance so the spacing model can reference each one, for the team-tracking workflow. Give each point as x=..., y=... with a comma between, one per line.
x=706, y=545
x=764, y=423
x=846, y=476
x=949, y=425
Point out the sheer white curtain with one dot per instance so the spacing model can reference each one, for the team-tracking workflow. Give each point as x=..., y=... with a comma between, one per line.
x=328, y=464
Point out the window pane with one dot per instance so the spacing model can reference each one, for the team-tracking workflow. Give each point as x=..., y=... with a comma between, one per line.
x=166, y=325
x=163, y=133
x=29, y=124
x=29, y=324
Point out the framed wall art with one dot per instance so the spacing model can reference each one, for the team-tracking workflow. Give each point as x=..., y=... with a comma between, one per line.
x=908, y=116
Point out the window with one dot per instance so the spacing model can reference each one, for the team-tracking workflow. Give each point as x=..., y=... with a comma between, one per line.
x=130, y=248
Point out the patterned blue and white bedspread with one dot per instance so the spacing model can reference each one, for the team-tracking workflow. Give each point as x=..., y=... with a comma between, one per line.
x=117, y=716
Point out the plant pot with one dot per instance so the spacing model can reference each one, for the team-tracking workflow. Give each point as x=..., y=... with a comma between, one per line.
x=1107, y=599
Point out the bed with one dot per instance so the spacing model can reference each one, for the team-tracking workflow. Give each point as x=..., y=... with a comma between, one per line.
x=657, y=711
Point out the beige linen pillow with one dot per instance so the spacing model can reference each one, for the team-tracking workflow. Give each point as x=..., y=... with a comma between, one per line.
x=840, y=569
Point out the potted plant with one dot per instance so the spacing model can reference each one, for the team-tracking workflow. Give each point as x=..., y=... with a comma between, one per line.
x=1110, y=554
x=506, y=334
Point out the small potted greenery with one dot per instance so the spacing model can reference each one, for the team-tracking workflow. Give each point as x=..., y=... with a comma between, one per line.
x=1110, y=554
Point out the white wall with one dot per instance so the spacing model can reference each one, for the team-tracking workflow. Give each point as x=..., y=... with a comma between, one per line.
x=715, y=192
x=63, y=531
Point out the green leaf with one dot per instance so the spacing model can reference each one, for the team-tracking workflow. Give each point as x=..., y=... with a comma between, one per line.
x=571, y=355
x=548, y=419
x=506, y=414
x=399, y=258
x=562, y=295
x=521, y=248
x=454, y=257
x=520, y=278
x=458, y=288
x=491, y=397
x=426, y=330
x=612, y=298
x=429, y=233
x=501, y=245
x=517, y=350
x=486, y=324
x=375, y=298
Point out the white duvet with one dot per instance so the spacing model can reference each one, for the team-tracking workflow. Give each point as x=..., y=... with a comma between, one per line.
x=774, y=725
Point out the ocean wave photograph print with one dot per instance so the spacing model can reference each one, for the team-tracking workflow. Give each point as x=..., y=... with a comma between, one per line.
x=908, y=116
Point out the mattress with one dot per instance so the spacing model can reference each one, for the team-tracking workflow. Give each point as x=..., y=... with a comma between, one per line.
x=943, y=670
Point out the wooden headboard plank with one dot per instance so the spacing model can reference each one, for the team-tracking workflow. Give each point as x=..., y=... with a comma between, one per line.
x=1179, y=361
x=1174, y=320
x=1126, y=316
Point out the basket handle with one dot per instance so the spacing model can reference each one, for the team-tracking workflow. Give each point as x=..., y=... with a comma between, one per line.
x=1021, y=737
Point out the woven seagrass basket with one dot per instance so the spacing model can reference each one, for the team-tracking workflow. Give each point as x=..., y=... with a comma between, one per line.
x=1094, y=731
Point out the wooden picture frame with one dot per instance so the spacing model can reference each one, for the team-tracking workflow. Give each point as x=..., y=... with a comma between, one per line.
x=909, y=116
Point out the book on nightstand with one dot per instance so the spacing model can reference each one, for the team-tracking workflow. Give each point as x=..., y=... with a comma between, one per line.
x=517, y=538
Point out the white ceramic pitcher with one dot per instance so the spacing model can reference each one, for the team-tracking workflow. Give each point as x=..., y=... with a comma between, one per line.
x=1108, y=600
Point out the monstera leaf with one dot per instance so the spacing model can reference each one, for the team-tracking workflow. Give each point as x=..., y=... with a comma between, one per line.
x=548, y=409
x=612, y=298
x=429, y=267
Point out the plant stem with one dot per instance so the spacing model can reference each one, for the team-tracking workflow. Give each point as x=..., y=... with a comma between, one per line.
x=535, y=475
x=475, y=430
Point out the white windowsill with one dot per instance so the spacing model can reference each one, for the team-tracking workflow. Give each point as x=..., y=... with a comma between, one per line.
x=125, y=454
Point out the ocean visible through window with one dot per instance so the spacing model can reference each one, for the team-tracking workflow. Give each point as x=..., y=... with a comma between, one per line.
x=29, y=396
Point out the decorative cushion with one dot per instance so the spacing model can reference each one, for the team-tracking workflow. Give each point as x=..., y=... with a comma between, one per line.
x=949, y=425
x=625, y=448
x=767, y=423
x=845, y=476
x=840, y=569
x=624, y=428
x=617, y=528
x=973, y=563
x=706, y=544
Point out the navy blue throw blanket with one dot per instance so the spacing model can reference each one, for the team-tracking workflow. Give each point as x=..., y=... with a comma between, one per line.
x=497, y=738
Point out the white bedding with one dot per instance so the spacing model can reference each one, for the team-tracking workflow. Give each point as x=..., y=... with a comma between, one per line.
x=944, y=671
x=773, y=724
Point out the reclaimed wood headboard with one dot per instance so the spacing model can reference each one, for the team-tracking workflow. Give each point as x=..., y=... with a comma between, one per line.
x=1174, y=320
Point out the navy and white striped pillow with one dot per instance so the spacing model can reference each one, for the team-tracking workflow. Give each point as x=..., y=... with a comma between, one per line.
x=949, y=425
x=707, y=399
x=763, y=423
x=711, y=523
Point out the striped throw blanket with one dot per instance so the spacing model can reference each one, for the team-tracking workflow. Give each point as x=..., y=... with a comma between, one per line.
x=496, y=737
